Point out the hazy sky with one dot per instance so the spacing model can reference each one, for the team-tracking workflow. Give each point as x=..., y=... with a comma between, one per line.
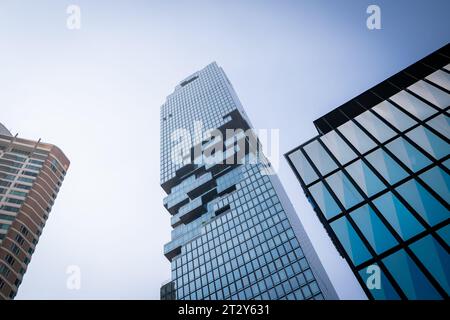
x=96, y=93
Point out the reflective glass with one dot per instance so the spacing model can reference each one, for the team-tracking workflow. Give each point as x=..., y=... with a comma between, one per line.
x=441, y=123
x=386, y=166
x=428, y=141
x=441, y=78
x=350, y=240
x=432, y=94
x=409, y=277
x=303, y=167
x=344, y=189
x=435, y=258
x=384, y=291
x=398, y=216
x=439, y=181
x=338, y=147
x=410, y=156
x=356, y=136
x=320, y=157
x=431, y=210
x=446, y=163
x=324, y=200
x=393, y=115
x=413, y=105
x=373, y=229
x=365, y=178
x=375, y=126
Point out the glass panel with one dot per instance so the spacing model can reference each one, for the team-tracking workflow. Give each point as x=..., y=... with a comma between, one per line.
x=435, y=259
x=447, y=67
x=373, y=229
x=423, y=202
x=429, y=92
x=397, y=118
x=439, y=181
x=320, y=157
x=303, y=167
x=398, y=216
x=338, y=147
x=375, y=126
x=386, y=166
x=385, y=290
x=413, y=105
x=409, y=277
x=350, y=240
x=365, y=178
x=444, y=233
x=441, y=123
x=428, y=141
x=441, y=78
x=344, y=189
x=324, y=200
x=356, y=136
x=410, y=156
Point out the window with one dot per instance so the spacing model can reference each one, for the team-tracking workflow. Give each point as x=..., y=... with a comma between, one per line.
x=439, y=181
x=432, y=94
x=9, y=208
x=441, y=78
x=414, y=106
x=375, y=126
x=394, y=116
x=398, y=216
x=409, y=277
x=386, y=166
x=4, y=270
x=15, y=249
x=356, y=136
x=10, y=260
x=324, y=200
x=423, y=202
x=344, y=189
x=6, y=217
x=365, y=178
x=435, y=258
x=303, y=167
x=350, y=240
x=386, y=291
x=373, y=229
x=320, y=157
x=409, y=155
x=428, y=141
x=441, y=124
x=19, y=239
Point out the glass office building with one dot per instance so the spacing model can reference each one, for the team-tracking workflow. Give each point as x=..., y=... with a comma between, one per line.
x=235, y=234
x=377, y=175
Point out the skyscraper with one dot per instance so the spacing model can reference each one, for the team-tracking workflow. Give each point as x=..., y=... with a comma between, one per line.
x=235, y=234
x=377, y=175
x=31, y=173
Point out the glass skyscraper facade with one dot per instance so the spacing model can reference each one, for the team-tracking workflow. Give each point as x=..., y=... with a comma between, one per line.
x=235, y=234
x=377, y=175
x=31, y=175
